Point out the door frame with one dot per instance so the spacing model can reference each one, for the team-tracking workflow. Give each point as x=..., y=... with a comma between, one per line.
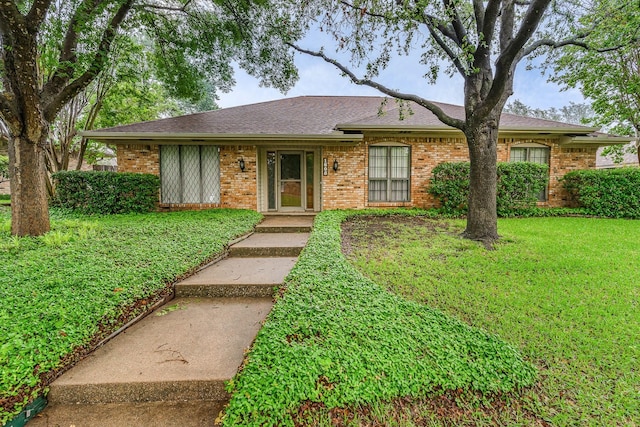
x=279, y=182
x=263, y=178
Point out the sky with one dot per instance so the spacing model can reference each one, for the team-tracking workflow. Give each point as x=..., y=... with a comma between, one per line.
x=320, y=78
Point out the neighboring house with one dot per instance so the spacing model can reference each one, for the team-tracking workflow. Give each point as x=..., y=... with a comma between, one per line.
x=629, y=159
x=311, y=153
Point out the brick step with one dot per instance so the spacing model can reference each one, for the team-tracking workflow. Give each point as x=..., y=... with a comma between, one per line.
x=184, y=351
x=270, y=245
x=158, y=414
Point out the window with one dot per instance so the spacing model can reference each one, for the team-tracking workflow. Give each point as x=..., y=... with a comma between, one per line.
x=534, y=155
x=389, y=169
x=190, y=174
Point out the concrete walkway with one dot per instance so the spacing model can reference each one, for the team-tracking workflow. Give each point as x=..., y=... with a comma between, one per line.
x=169, y=369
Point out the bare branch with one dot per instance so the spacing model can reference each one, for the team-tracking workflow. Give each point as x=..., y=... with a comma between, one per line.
x=478, y=10
x=456, y=21
x=507, y=17
x=444, y=118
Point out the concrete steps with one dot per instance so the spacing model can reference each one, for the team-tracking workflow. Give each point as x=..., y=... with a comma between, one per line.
x=270, y=245
x=237, y=277
x=170, y=368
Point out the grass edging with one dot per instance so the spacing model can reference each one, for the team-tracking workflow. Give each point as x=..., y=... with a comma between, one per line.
x=336, y=338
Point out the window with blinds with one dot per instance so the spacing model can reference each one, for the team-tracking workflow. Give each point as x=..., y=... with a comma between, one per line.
x=534, y=155
x=189, y=174
x=389, y=172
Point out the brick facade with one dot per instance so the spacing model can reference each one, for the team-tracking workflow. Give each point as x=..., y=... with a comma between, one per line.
x=238, y=189
x=347, y=188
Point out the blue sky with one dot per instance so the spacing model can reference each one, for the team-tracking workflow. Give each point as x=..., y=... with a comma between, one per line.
x=320, y=78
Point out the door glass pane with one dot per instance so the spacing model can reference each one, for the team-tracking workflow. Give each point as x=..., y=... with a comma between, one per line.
x=271, y=179
x=309, y=180
x=290, y=180
x=290, y=166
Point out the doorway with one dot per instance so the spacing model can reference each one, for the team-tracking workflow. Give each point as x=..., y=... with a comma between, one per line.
x=290, y=180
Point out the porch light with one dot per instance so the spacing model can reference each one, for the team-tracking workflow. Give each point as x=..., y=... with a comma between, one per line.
x=242, y=165
x=335, y=165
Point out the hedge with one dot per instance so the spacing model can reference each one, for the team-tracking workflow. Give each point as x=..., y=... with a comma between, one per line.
x=613, y=193
x=106, y=192
x=518, y=186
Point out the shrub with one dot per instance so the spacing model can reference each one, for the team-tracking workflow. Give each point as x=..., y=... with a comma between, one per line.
x=106, y=192
x=519, y=184
x=613, y=193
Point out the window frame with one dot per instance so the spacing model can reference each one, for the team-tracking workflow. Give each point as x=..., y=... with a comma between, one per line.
x=389, y=179
x=201, y=171
x=544, y=194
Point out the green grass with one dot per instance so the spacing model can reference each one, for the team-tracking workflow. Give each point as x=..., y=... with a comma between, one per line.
x=59, y=290
x=564, y=291
x=337, y=339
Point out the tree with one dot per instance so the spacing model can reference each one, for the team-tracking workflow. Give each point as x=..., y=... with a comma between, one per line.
x=72, y=40
x=482, y=41
x=610, y=78
x=576, y=113
x=126, y=91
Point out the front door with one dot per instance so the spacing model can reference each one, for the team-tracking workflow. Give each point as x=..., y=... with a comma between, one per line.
x=290, y=182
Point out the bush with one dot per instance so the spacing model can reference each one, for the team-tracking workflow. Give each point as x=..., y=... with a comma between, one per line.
x=613, y=193
x=106, y=192
x=519, y=184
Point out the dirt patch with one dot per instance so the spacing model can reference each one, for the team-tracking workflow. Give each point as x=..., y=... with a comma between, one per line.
x=368, y=231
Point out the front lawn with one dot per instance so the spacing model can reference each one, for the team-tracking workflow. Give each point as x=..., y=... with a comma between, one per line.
x=73, y=286
x=336, y=339
x=564, y=291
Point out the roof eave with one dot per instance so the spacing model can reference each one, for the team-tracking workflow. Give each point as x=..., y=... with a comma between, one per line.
x=599, y=140
x=504, y=130
x=227, y=138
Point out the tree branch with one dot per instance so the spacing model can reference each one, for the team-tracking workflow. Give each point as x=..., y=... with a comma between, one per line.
x=456, y=21
x=68, y=57
x=478, y=11
x=100, y=59
x=507, y=17
x=444, y=118
x=36, y=14
x=8, y=110
x=462, y=69
x=511, y=54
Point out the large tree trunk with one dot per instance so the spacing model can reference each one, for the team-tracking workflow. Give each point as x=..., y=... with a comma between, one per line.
x=29, y=207
x=482, y=218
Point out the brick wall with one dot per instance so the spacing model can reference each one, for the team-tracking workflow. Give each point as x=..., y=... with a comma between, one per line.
x=238, y=189
x=139, y=159
x=348, y=187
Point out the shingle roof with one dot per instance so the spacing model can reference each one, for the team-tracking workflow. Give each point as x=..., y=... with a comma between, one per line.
x=318, y=115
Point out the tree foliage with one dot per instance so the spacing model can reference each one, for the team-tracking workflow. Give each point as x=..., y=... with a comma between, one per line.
x=575, y=113
x=609, y=77
x=51, y=50
x=481, y=41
